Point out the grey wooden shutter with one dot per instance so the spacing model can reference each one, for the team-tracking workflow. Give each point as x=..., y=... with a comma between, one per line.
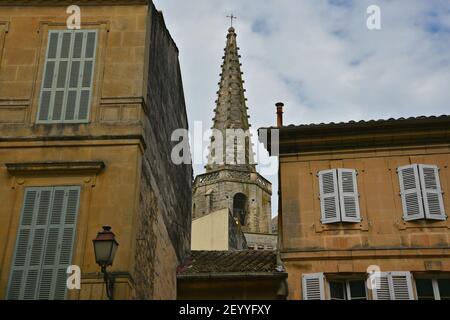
x=60, y=239
x=49, y=218
x=66, y=240
x=50, y=71
x=86, y=74
x=68, y=76
x=30, y=244
x=410, y=192
x=313, y=286
x=348, y=195
x=431, y=192
x=329, y=196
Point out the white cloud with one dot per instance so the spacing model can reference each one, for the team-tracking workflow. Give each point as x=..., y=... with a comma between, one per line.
x=317, y=57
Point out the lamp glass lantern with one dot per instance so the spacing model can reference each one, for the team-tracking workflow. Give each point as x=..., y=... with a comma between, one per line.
x=105, y=247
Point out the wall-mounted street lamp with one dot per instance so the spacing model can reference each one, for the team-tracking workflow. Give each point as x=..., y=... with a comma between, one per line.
x=105, y=247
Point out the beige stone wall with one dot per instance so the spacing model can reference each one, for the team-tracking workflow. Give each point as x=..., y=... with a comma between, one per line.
x=382, y=238
x=210, y=232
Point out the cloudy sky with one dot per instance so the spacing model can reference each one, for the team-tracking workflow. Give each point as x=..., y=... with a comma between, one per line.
x=318, y=57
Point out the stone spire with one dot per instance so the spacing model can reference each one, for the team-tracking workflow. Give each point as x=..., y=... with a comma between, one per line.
x=231, y=113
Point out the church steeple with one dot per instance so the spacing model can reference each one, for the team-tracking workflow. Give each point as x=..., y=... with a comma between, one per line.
x=231, y=113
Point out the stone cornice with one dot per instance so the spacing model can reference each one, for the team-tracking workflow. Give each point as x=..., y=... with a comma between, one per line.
x=29, y=168
x=421, y=131
x=297, y=254
x=67, y=3
x=232, y=176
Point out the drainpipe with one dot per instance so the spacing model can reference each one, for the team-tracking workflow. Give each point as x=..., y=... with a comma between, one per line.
x=279, y=106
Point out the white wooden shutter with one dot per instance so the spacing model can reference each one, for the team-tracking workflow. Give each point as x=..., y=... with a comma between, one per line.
x=313, y=286
x=39, y=266
x=401, y=286
x=329, y=196
x=68, y=76
x=431, y=192
x=381, y=291
x=348, y=195
x=410, y=192
x=393, y=286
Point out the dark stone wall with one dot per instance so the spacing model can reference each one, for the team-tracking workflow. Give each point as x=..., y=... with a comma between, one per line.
x=166, y=112
x=146, y=240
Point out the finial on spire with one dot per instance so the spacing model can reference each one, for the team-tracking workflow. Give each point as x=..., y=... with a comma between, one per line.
x=232, y=17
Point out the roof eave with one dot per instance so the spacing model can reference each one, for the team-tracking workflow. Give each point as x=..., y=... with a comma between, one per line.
x=232, y=275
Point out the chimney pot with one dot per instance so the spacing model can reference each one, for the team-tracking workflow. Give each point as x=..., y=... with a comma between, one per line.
x=279, y=106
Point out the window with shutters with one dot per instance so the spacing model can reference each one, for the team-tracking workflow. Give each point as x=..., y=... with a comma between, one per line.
x=44, y=243
x=421, y=192
x=393, y=286
x=339, y=198
x=66, y=89
x=433, y=289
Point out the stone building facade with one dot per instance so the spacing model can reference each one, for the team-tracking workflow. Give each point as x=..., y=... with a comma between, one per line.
x=231, y=180
x=364, y=209
x=86, y=118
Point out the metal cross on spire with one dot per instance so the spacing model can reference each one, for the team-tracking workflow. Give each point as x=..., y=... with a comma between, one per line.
x=232, y=17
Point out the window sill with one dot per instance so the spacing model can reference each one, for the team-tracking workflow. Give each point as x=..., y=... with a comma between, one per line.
x=422, y=223
x=338, y=226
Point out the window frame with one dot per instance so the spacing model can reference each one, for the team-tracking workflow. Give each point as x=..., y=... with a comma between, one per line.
x=347, y=291
x=341, y=215
x=424, y=214
x=79, y=89
x=434, y=282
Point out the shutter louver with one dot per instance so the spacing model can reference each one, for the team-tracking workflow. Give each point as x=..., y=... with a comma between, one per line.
x=68, y=76
x=348, y=194
x=313, y=286
x=329, y=197
x=431, y=192
x=410, y=192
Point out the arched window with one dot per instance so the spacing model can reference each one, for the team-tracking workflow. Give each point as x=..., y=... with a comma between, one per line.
x=240, y=207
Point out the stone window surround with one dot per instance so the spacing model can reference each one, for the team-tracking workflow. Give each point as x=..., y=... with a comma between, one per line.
x=81, y=173
x=4, y=28
x=59, y=24
x=318, y=226
x=422, y=223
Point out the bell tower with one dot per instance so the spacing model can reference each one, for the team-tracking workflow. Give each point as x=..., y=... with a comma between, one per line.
x=231, y=180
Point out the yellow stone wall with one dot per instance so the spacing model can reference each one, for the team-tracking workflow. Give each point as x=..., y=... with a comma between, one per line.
x=114, y=135
x=382, y=238
x=119, y=70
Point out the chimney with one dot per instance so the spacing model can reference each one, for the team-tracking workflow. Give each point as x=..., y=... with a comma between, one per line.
x=279, y=106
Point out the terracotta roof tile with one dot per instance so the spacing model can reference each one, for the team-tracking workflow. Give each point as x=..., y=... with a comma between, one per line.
x=231, y=261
